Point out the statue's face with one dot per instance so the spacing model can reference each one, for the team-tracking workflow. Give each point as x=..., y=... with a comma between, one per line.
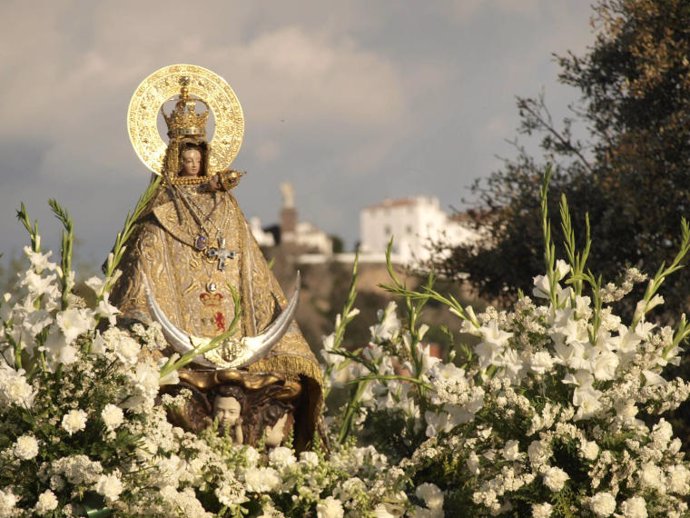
x=273, y=435
x=226, y=410
x=191, y=162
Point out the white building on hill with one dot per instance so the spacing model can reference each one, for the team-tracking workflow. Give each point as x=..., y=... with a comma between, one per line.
x=413, y=223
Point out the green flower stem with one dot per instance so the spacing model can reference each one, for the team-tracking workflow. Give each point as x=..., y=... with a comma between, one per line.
x=663, y=272
x=172, y=366
x=345, y=318
x=577, y=260
x=32, y=229
x=549, y=247
x=66, y=249
x=353, y=404
x=127, y=229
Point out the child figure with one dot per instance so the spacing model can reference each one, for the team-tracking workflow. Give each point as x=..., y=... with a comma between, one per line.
x=275, y=418
x=227, y=409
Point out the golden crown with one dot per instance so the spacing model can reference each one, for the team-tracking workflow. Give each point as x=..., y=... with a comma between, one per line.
x=183, y=120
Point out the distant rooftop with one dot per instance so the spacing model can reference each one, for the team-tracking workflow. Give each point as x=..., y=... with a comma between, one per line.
x=401, y=202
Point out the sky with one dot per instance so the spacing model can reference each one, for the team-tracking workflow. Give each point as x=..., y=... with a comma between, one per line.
x=352, y=102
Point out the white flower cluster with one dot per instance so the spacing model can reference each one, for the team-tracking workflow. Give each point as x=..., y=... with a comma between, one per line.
x=545, y=417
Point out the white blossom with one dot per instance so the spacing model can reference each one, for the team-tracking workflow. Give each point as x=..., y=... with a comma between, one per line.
x=14, y=389
x=74, y=421
x=282, y=457
x=112, y=416
x=555, y=478
x=26, y=447
x=110, y=486
x=330, y=508
x=541, y=510
x=431, y=494
x=8, y=503
x=73, y=322
x=603, y=504
x=634, y=507
x=261, y=480
x=47, y=502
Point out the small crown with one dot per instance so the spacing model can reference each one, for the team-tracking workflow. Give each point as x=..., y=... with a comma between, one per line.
x=183, y=120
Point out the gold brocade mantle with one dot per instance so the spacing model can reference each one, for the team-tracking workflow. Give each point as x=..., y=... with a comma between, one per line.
x=197, y=296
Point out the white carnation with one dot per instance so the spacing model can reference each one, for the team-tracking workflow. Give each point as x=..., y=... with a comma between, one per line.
x=110, y=486
x=538, y=452
x=330, y=508
x=634, y=507
x=589, y=449
x=74, y=421
x=679, y=480
x=230, y=492
x=541, y=510
x=651, y=476
x=602, y=504
x=511, y=451
x=112, y=416
x=14, y=389
x=662, y=433
x=47, y=502
x=126, y=349
x=26, y=447
x=555, y=478
x=261, y=480
x=8, y=503
x=309, y=458
x=282, y=457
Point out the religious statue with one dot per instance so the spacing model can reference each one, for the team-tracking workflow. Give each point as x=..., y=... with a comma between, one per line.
x=194, y=266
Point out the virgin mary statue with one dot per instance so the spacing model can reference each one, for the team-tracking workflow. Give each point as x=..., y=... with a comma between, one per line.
x=193, y=264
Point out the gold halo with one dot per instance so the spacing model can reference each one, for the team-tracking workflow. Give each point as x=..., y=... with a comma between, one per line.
x=160, y=87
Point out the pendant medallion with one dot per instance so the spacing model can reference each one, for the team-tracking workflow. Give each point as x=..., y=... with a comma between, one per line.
x=201, y=242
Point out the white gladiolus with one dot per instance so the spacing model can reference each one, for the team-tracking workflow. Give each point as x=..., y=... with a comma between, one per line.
x=73, y=322
x=39, y=261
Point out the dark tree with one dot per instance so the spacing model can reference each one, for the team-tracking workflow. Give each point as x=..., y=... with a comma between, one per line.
x=631, y=173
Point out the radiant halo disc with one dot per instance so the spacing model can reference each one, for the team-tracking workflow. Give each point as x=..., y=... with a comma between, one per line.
x=164, y=84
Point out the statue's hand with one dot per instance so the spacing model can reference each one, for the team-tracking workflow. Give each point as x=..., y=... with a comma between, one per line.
x=214, y=183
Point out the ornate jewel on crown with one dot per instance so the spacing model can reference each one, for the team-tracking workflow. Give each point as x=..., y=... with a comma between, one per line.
x=183, y=120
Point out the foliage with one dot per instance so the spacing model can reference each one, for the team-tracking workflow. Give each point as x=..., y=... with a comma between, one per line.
x=630, y=174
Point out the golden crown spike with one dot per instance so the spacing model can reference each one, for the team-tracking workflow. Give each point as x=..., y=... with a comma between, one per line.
x=183, y=120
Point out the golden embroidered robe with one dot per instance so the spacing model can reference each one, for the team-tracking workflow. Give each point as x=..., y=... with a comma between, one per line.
x=196, y=295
